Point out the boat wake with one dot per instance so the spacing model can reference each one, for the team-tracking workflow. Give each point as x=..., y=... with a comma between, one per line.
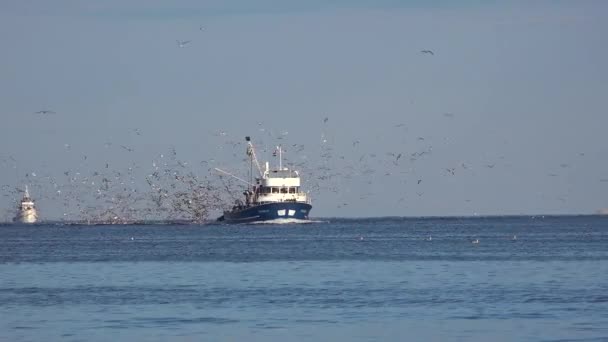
x=288, y=221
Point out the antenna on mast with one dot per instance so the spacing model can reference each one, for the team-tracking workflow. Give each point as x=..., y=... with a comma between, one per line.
x=279, y=149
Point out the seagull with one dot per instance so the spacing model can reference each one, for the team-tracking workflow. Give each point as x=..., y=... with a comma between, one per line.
x=429, y=238
x=428, y=51
x=44, y=112
x=476, y=241
x=182, y=43
x=514, y=237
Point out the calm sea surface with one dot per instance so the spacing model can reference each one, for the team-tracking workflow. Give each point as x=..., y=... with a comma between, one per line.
x=348, y=280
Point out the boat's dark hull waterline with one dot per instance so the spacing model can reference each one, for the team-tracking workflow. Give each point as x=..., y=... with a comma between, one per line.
x=266, y=212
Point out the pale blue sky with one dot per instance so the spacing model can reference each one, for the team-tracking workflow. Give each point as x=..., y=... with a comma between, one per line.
x=525, y=84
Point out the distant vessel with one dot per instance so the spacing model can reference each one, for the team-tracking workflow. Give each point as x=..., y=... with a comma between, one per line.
x=275, y=194
x=27, y=209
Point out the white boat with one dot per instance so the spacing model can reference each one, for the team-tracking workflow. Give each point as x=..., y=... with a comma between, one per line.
x=26, y=211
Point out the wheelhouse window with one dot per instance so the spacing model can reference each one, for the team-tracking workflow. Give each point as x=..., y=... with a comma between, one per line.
x=275, y=190
x=292, y=190
x=283, y=190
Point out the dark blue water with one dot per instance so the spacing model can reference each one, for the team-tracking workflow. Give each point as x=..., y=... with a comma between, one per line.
x=349, y=280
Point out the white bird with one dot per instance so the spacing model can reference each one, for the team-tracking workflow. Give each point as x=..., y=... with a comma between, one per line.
x=182, y=43
x=476, y=241
x=429, y=238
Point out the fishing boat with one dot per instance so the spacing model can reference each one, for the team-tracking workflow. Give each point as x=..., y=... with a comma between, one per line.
x=273, y=195
x=26, y=211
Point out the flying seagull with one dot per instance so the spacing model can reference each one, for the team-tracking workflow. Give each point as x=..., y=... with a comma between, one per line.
x=182, y=43
x=428, y=51
x=44, y=112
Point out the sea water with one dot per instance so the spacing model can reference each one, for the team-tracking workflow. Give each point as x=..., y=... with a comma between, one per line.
x=377, y=279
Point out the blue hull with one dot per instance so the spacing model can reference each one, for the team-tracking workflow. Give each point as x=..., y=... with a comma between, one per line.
x=268, y=211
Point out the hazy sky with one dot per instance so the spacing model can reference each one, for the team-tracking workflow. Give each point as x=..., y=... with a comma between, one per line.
x=513, y=101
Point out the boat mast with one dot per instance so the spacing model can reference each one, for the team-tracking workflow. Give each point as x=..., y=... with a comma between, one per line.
x=251, y=154
x=280, y=157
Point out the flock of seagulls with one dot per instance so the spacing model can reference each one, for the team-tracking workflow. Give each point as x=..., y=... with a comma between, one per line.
x=173, y=189
x=168, y=191
x=98, y=191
